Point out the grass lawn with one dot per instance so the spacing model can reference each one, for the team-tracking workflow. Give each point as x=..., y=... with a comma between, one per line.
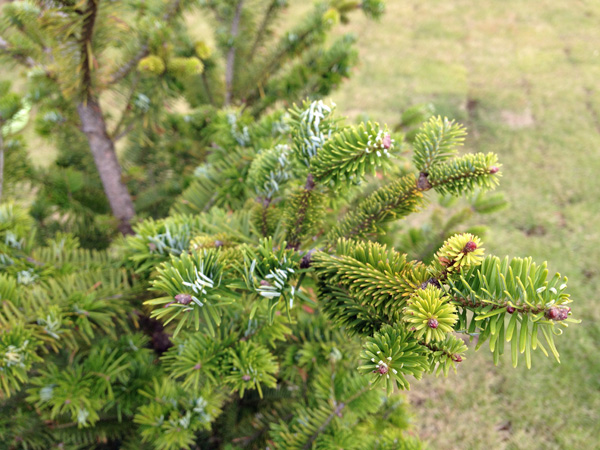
x=525, y=79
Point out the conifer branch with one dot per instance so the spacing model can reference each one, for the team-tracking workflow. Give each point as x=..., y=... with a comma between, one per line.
x=252, y=91
x=433, y=347
x=337, y=412
x=22, y=59
x=390, y=202
x=144, y=50
x=126, y=69
x=116, y=133
x=404, y=196
x=472, y=303
x=295, y=230
x=262, y=28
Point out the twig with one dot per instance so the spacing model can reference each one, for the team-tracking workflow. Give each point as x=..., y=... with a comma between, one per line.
x=21, y=59
x=295, y=230
x=207, y=88
x=126, y=68
x=336, y=412
x=263, y=28
x=115, y=134
x=230, y=65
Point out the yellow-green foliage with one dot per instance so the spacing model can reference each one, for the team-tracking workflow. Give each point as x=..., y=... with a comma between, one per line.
x=460, y=252
x=152, y=64
x=430, y=314
x=203, y=51
x=185, y=67
x=331, y=16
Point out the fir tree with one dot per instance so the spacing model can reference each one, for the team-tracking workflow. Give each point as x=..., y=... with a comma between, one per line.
x=69, y=49
x=286, y=323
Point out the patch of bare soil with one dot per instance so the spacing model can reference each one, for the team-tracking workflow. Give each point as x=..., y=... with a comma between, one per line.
x=518, y=119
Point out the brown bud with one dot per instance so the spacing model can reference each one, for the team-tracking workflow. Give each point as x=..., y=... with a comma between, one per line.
x=184, y=299
x=432, y=323
x=310, y=182
x=563, y=313
x=306, y=260
x=470, y=247
x=510, y=309
x=552, y=313
x=457, y=358
x=494, y=169
x=431, y=281
x=423, y=183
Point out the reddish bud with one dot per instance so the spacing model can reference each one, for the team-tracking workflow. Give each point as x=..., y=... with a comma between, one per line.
x=198, y=366
x=184, y=299
x=457, y=358
x=510, y=309
x=246, y=377
x=386, y=141
x=432, y=323
x=494, y=169
x=264, y=283
x=382, y=369
x=563, y=314
x=552, y=313
x=152, y=246
x=470, y=247
x=218, y=243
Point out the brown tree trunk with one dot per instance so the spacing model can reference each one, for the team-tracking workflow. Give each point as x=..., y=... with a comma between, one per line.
x=105, y=157
x=230, y=65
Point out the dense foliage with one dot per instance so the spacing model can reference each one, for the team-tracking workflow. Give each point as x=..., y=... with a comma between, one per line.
x=279, y=317
x=102, y=74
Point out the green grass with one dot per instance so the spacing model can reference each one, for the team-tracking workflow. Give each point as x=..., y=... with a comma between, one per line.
x=523, y=77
